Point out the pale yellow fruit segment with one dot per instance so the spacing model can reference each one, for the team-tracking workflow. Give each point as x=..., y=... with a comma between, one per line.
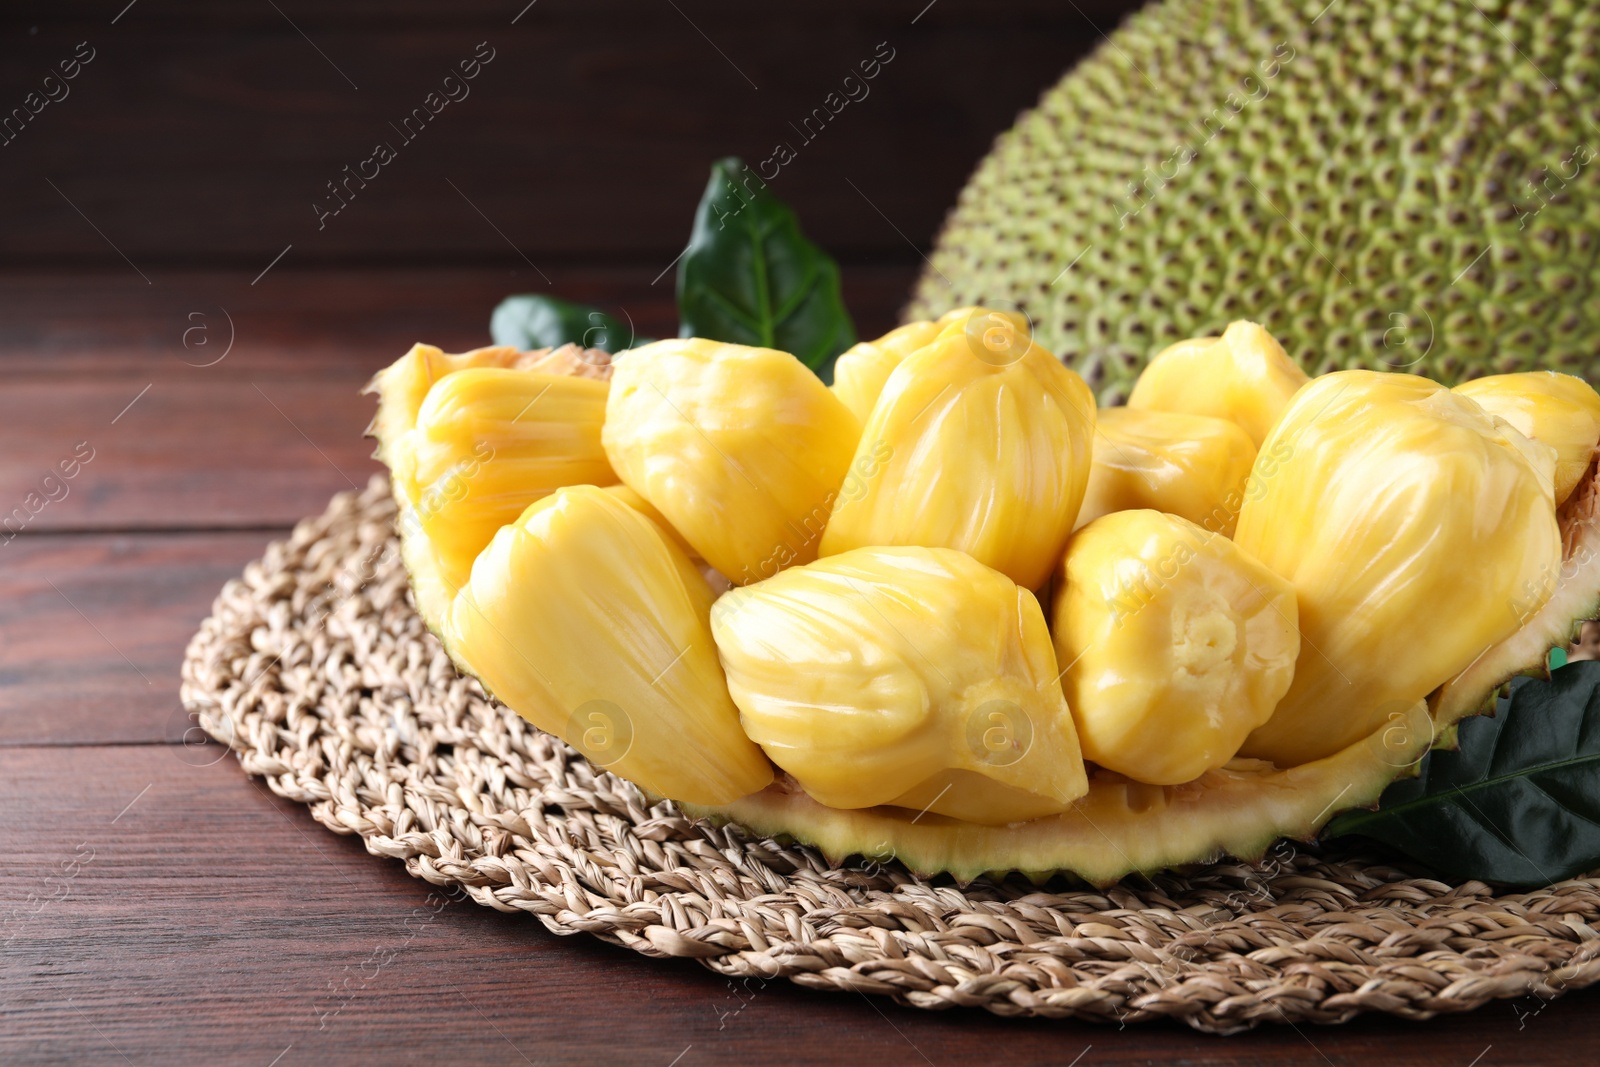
x=909, y=676
x=741, y=449
x=1193, y=466
x=861, y=370
x=488, y=442
x=1178, y=644
x=1560, y=410
x=1244, y=376
x=981, y=442
x=1418, y=532
x=585, y=619
x=472, y=439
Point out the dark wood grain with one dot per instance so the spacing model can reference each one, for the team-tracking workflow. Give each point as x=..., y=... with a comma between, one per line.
x=93, y=628
x=218, y=924
x=205, y=133
x=187, y=452
x=344, y=324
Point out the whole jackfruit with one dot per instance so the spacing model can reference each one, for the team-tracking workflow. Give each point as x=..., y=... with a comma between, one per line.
x=981, y=442
x=914, y=677
x=1390, y=184
x=1177, y=644
x=1410, y=523
x=584, y=618
x=1560, y=410
x=742, y=449
x=1192, y=466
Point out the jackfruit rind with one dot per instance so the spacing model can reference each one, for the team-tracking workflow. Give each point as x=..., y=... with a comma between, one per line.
x=1393, y=185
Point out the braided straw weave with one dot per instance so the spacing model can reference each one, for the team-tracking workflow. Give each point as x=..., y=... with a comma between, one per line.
x=317, y=671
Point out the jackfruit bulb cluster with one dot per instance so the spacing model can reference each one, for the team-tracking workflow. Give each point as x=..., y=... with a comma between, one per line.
x=948, y=599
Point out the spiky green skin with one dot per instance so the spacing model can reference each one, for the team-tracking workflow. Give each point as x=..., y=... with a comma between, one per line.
x=1344, y=205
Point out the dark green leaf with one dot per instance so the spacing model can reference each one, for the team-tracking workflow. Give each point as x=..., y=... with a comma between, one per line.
x=1518, y=803
x=532, y=320
x=750, y=277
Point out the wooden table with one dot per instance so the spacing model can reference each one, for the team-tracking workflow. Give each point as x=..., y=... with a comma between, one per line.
x=160, y=908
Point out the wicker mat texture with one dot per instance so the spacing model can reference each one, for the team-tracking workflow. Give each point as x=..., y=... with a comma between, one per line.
x=315, y=669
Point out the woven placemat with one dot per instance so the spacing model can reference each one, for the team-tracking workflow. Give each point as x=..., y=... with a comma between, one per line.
x=317, y=671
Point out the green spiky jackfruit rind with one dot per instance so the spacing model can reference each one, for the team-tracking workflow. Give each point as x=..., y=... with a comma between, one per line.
x=1405, y=185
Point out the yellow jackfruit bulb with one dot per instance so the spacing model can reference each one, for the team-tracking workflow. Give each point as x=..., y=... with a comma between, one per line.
x=488, y=442
x=1193, y=466
x=472, y=439
x=1244, y=376
x=908, y=676
x=1178, y=644
x=980, y=442
x=861, y=369
x=1418, y=532
x=742, y=449
x=585, y=619
x=1560, y=410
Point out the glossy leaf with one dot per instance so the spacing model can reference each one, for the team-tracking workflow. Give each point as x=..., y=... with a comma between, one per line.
x=1518, y=803
x=533, y=320
x=750, y=277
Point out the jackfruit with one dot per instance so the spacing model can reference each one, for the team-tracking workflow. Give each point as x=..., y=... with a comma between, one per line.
x=1387, y=184
x=861, y=370
x=743, y=450
x=584, y=618
x=1177, y=644
x=1192, y=466
x=915, y=677
x=1559, y=410
x=473, y=439
x=980, y=442
x=1243, y=376
x=1409, y=521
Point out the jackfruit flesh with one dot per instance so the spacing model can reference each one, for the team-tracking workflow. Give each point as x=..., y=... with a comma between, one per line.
x=1192, y=466
x=584, y=618
x=860, y=371
x=1412, y=524
x=1560, y=410
x=908, y=676
x=1177, y=644
x=980, y=442
x=1243, y=376
x=472, y=439
x=743, y=450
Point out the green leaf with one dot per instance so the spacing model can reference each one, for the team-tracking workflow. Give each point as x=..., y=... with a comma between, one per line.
x=750, y=277
x=532, y=320
x=1518, y=803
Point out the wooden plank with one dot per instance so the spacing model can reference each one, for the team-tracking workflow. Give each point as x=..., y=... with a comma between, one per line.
x=167, y=912
x=193, y=138
x=166, y=452
x=323, y=323
x=93, y=628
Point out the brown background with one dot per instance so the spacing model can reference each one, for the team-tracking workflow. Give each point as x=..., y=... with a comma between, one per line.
x=157, y=907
